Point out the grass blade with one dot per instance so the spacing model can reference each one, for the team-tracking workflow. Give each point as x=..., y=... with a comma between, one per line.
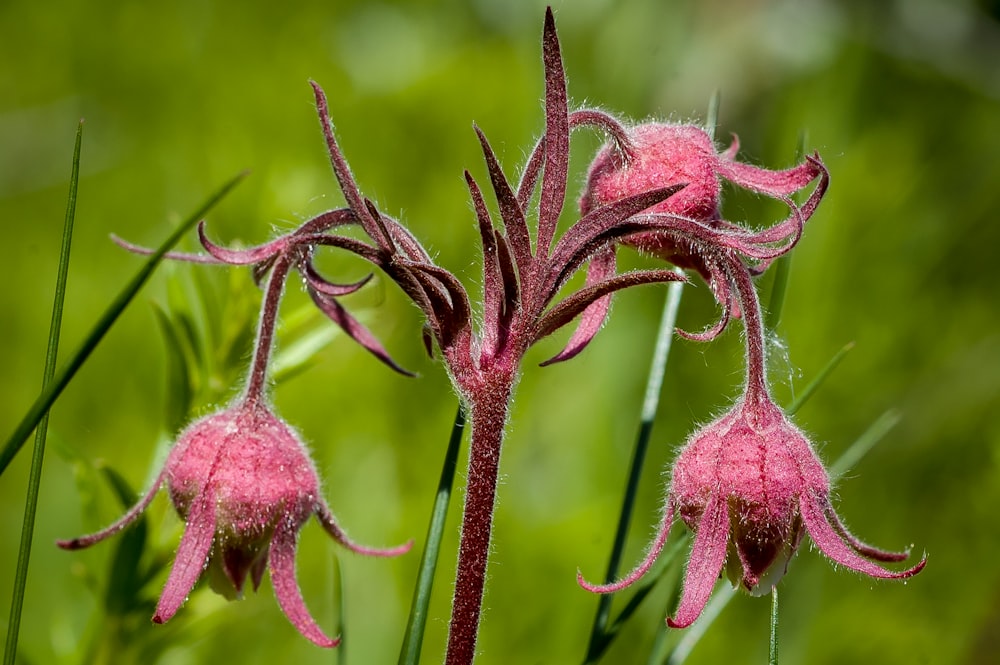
x=409, y=654
x=35, y=475
x=772, y=658
x=814, y=385
x=69, y=370
x=599, y=637
x=864, y=443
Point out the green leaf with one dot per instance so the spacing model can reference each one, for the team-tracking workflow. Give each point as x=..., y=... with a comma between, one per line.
x=38, y=455
x=179, y=394
x=125, y=578
x=409, y=654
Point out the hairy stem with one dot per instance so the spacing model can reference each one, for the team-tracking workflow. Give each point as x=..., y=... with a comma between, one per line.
x=754, y=331
x=488, y=406
x=265, y=330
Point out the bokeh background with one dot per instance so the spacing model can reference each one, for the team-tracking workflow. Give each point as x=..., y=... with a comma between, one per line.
x=901, y=98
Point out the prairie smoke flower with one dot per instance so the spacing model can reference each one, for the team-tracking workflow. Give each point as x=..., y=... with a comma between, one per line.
x=523, y=273
x=241, y=479
x=748, y=485
x=656, y=155
x=245, y=485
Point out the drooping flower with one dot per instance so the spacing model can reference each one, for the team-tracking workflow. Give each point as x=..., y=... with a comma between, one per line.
x=653, y=155
x=241, y=479
x=749, y=485
x=245, y=485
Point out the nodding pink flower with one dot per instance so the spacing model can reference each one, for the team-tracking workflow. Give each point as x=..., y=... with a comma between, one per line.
x=245, y=485
x=654, y=155
x=749, y=485
x=241, y=479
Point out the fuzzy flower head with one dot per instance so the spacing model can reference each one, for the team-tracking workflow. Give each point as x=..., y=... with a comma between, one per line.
x=655, y=155
x=749, y=485
x=245, y=485
x=241, y=479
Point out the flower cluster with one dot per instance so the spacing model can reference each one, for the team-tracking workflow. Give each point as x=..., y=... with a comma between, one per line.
x=749, y=485
x=241, y=479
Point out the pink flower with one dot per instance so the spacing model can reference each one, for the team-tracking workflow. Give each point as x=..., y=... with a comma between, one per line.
x=747, y=485
x=245, y=485
x=655, y=155
x=241, y=479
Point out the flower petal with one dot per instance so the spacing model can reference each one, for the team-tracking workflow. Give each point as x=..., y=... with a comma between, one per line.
x=556, y=140
x=175, y=256
x=816, y=513
x=707, y=557
x=286, y=588
x=766, y=181
x=588, y=301
x=191, y=556
x=602, y=266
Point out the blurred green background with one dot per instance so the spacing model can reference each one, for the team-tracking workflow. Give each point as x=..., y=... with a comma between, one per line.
x=902, y=99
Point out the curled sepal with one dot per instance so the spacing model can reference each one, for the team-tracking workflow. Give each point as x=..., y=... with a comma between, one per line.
x=173, y=256
x=324, y=286
x=126, y=519
x=329, y=522
x=241, y=257
x=651, y=555
x=833, y=539
x=584, y=299
x=353, y=329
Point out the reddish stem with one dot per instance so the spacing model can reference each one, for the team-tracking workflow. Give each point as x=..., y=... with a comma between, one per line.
x=488, y=405
x=756, y=390
x=265, y=330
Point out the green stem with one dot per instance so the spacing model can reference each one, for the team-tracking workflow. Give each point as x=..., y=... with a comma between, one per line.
x=62, y=378
x=599, y=638
x=38, y=455
x=773, y=651
x=416, y=624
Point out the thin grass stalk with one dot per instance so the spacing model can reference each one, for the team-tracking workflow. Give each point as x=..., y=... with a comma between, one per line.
x=783, y=266
x=416, y=624
x=599, y=638
x=814, y=385
x=599, y=635
x=62, y=378
x=38, y=455
x=340, y=600
x=772, y=658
